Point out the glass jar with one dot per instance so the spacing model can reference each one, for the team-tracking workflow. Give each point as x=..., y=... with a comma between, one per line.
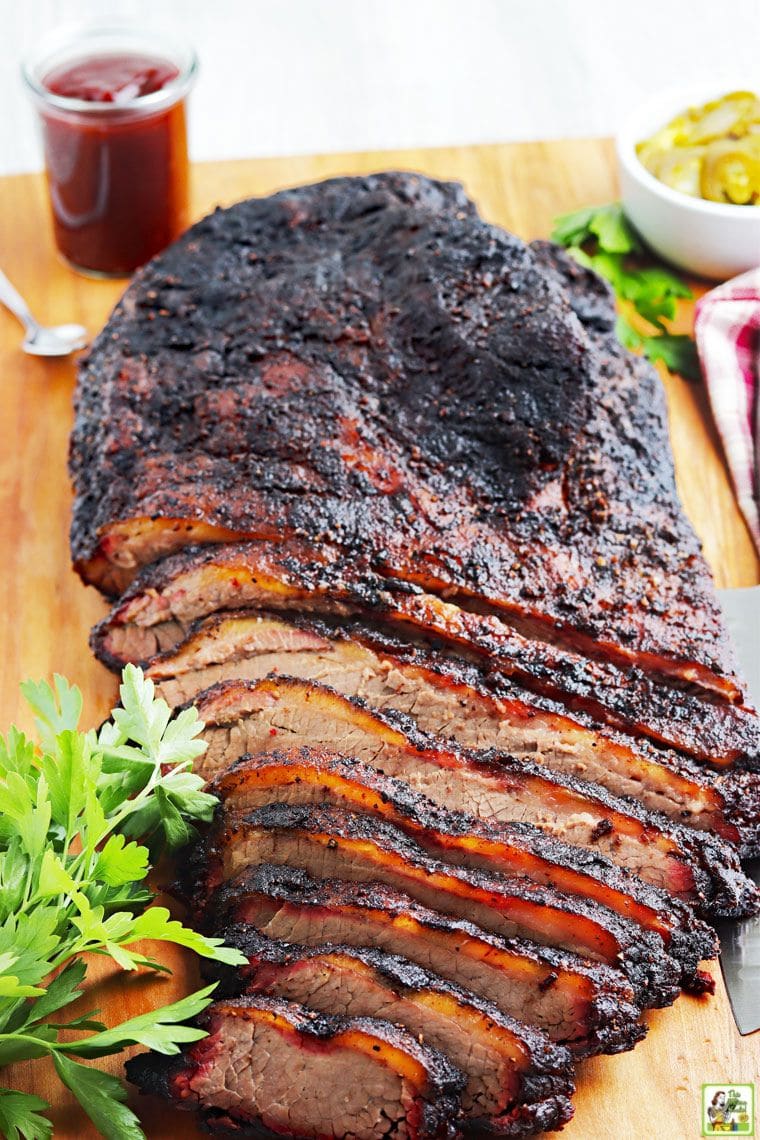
x=111, y=102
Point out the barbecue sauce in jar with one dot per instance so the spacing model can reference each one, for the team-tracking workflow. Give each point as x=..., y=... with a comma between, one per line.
x=114, y=131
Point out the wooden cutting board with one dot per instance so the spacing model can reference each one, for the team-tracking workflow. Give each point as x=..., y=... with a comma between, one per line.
x=47, y=613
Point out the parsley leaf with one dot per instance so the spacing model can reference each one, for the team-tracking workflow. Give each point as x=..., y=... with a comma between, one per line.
x=102, y=1097
x=614, y=231
x=159, y=1029
x=573, y=229
x=602, y=239
x=57, y=710
x=64, y=988
x=157, y=924
x=82, y=814
x=628, y=336
x=20, y=1116
x=606, y=223
x=120, y=862
x=677, y=352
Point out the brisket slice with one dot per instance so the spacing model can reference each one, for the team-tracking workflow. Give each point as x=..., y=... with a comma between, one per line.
x=330, y=843
x=270, y=1067
x=517, y=1080
x=275, y=713
x=582, y=1004
x=303, y=776
x=463, y=702
x=367, y=365
x=169, y=596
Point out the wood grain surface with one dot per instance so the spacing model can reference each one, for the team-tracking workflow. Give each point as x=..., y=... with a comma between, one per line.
x=46, y=611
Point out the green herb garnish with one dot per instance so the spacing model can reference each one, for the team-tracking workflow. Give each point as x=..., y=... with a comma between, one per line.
x=601, y=238
x=81, y=816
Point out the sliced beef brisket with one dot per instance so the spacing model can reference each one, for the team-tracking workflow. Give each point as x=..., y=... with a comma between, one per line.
x=465, y=702
x=245, y=717
x=517, y=1080
x=174, y=593
x=331, y=843
x=270, y=1067
x=585, y=1005
x=303, y=776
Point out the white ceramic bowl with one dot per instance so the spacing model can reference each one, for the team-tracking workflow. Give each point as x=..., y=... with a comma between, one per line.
x=707, y=238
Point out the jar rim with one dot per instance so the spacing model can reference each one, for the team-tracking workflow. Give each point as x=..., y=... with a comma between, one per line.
x=70, y=42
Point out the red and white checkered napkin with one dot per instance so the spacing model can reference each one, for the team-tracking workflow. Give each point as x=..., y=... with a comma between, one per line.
x=727, y=330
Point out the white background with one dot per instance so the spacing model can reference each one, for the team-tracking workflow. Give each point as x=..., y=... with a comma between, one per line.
x=300, y=76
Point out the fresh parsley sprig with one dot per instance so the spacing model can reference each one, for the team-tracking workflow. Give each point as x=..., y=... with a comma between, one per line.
x=83, y=814
x=601, y=238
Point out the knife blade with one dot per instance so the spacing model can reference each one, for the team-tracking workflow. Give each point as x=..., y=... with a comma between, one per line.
x=740, y=941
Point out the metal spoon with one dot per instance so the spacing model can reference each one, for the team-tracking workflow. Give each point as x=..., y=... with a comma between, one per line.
x=39, y=340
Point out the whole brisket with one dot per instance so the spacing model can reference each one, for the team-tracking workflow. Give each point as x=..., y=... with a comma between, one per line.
x=367, y=366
